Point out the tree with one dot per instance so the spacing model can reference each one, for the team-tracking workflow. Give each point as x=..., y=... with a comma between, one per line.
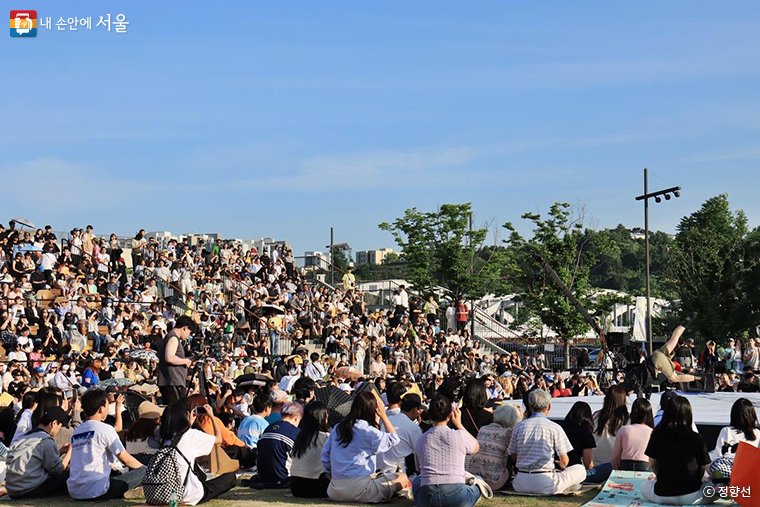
x=712, y=258
x=440, y=248
x=559, y=239
x=620, y=261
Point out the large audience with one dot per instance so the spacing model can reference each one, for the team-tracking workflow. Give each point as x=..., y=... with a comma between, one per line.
x=305, y=387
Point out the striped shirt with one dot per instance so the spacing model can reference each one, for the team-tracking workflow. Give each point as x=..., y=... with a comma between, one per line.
x=274, y=447
x=536, y=441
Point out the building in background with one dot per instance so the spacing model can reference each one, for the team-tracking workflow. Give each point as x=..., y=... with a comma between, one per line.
x=372, y=256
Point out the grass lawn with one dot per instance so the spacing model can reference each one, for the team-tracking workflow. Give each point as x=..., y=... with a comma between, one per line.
x=247, y=497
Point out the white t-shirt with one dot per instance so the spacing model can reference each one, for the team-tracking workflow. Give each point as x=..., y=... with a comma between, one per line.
x=408, y=432
x=193, y=444
x=731, y=436
x=94, y=448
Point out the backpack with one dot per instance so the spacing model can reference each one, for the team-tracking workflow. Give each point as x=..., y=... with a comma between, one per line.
x=162, y=475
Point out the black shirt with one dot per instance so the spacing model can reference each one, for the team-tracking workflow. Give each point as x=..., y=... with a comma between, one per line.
x=580, y=438
x=680, y=456
x=473, y=420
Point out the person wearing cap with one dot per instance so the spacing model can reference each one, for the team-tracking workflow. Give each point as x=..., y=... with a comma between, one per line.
x=141, y=439
x=407, y=427
x=279, y=397
x=35, y=468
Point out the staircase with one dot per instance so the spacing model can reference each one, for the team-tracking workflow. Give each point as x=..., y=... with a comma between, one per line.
x=488, y=330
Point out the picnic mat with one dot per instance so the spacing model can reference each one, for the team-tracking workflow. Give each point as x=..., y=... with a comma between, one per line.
x=623, y=488
x=584, y=489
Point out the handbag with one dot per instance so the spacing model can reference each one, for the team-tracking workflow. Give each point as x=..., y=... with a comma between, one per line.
x=473, y=480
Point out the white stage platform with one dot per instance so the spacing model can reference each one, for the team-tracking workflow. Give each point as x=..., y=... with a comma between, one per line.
x=709, y=409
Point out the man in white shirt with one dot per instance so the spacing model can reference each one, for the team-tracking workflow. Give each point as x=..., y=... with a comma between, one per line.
x=404, y=297
x=315, y=370
x=95, y=448
x=407, y=427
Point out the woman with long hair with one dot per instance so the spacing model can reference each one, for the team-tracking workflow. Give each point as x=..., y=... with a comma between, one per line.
x=475, y=415
x=232, y=445
x=678, y=457
x=631, y=441
x=177, y=429
x=440, y=455
x=142, y=440
x=24, y=418
x=350, y=454
x=579, y=428
x=607, y=421
x=307, y=474
x=743, y=428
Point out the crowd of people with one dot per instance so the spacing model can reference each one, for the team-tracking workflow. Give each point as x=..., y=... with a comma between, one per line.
x=240, y=349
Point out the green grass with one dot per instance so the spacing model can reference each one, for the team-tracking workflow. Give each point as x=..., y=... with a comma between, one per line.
x=240, y=497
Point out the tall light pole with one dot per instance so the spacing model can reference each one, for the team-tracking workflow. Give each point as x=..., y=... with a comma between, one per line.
x=658, y=195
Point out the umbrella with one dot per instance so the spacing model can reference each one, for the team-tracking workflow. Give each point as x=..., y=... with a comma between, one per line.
x=23, y=222
x=287, y=382
x=348, y=372
x=338, y=403
x=114, y=382
x=176, y=302
x=272, y=309
x=255, y=379
x=143, y=354
x=26, y=248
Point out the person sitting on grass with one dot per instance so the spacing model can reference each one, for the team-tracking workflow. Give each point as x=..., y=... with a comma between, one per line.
x=275, y=446
x=95, y=448
x=35, y=468
x=350, y=454
x=308, y=478
x=631, y=441
x=534, y=443
x=743, y=428
x=492, y=460
x=252, y=427
x=678, y=457
x=176, y=425
x=231, y=444
x=579, y=427
x=440, y=454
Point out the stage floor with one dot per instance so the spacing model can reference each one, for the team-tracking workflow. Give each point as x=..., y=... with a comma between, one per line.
x=709, y=409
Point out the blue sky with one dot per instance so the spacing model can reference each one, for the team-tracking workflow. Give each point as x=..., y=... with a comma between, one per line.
x=282, y=119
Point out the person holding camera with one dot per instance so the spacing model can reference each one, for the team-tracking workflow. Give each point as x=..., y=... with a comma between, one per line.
x=172, y=363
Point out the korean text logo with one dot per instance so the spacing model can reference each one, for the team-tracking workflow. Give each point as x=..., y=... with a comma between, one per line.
x=23, y=23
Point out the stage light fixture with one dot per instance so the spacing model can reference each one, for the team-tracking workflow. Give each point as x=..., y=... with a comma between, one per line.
x=667, y=197
x=657, y=199
x=677, y=193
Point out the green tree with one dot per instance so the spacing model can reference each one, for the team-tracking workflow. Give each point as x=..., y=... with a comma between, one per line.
x=559, y=239
x=440, y=248
x=712, y=257
x=621, y=260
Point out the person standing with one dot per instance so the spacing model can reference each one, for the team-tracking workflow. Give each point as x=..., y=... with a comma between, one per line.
x=138, y=247
x=172, y=363
x=752, y=355
x=462, y=314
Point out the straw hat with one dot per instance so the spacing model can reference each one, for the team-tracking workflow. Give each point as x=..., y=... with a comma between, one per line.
x=148, y=410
